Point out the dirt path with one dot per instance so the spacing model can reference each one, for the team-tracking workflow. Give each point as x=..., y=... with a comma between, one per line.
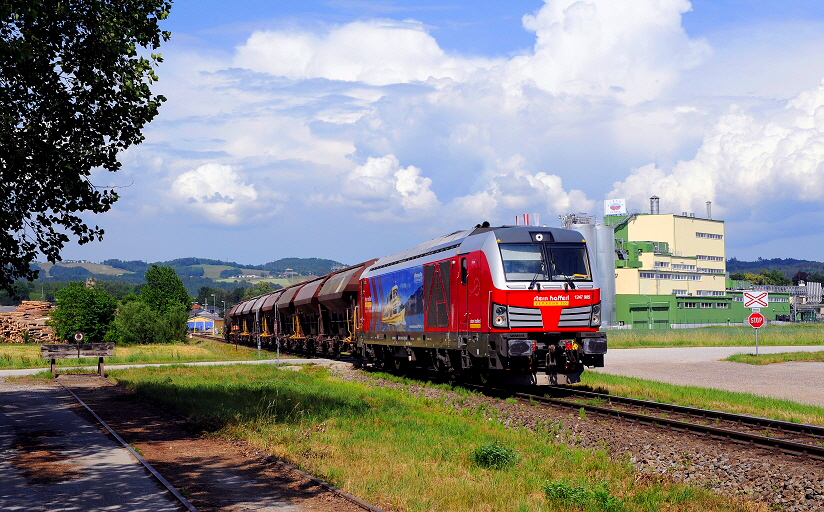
x=212, y=474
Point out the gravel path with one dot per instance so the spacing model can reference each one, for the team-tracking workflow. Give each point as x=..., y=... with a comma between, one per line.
x=703, y=366
x=782, y=482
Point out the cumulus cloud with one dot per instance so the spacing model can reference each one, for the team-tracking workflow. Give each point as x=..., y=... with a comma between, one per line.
x=630, y=51
x=744, y=159
x=377, y=52
x=512, y=189
x=383, y=189
x=214, y=190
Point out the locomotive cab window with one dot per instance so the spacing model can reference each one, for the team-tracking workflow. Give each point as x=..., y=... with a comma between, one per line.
x=522, y=262
x=545, y=262
x=568, y=262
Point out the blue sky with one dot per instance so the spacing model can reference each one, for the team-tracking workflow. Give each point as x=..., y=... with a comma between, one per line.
x=350, y=129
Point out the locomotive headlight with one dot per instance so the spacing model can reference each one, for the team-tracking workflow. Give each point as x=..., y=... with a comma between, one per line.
x=595, y=319
x=500, y=319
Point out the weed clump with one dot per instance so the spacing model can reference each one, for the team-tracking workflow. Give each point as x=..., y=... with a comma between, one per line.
x=494, y=456
x=576, y=495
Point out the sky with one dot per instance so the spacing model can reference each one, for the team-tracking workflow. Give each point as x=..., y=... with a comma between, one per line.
x=353, y=129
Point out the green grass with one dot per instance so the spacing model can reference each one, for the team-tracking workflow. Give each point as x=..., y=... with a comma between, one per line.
x=771, y=335
x=705, y=398
x=28, y=355
x=404, y=451
x=781, y=357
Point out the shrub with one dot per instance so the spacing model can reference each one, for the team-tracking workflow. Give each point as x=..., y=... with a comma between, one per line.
x=81, y=309
x=494, y=456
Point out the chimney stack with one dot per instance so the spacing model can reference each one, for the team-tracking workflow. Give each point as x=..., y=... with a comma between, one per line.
x=709, y=209
x=653, y=205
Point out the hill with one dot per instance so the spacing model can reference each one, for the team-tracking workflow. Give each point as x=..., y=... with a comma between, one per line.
x=787, y=266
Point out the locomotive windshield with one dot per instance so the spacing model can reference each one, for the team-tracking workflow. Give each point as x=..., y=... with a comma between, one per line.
x=545, y=262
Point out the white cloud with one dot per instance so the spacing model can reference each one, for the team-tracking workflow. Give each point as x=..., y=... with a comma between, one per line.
x=214, y=190
x=377, y=52
x=382, y=189
x=744, y=160
x=630, y=51
x=513, y=190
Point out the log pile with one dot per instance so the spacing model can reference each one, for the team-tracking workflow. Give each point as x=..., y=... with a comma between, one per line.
x=27, y=323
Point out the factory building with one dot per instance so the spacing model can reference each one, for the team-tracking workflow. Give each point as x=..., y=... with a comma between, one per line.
x=670, y=271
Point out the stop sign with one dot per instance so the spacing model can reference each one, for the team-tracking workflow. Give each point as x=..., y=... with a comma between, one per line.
x=756, y=320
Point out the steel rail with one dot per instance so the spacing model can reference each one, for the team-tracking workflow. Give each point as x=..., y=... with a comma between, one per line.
x=165, y=483
x=789, y=447
x=755, y=421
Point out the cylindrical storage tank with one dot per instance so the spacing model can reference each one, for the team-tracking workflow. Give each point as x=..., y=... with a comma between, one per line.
x=601, y=246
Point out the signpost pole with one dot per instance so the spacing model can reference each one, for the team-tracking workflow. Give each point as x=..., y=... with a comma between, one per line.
x=756, y=342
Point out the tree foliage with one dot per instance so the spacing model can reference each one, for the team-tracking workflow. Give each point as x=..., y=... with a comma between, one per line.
x=158, y=314
x=81, y=309
x=74, y=91
x=164, y=290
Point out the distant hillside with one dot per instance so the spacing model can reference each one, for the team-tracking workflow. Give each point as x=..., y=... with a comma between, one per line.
x=787, y=266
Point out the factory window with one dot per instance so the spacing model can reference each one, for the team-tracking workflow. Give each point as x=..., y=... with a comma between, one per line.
x=710, y=270
x=675, y=277
x=778, y=299
x=678, y=266
x=690, y=305
x=704, y=257
x=706, y=305
x=710, y=293
x=679, y=292
x=709, y=235
x=660, y=264
x=722, y=305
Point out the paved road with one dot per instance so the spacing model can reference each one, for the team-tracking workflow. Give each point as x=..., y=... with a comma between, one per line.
x=703, y=366
x=51, y=459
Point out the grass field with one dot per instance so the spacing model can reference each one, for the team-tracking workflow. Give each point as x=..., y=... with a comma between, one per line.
x=407, y=452
x=28, y=355
x=771, y=335
x=782, y=357
x=705, y=398
x=94, y=268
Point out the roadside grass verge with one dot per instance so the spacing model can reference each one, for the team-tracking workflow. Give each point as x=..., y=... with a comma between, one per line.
x=13, y=356
x=704, y=398
x=781, y=357
x=405, y=451
x=771, y=335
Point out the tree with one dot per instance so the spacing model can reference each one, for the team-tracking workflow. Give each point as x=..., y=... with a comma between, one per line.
x=164, y=290
x=81, y=309
x=158, y=314
x=74, y=92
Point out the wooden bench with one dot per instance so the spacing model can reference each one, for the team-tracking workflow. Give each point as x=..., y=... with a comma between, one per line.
x=75, y=351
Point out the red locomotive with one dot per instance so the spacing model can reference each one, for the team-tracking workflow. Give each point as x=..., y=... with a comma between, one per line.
x=513, y=303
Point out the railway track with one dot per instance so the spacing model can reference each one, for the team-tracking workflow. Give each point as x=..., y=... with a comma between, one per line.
x=181, y=500
x=791, y=438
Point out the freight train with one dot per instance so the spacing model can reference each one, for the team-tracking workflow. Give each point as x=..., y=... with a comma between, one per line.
x=516, y=304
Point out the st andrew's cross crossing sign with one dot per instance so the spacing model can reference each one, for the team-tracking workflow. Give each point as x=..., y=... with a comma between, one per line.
x=754, y=299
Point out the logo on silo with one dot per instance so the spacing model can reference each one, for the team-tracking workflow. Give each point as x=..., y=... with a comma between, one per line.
x=615, y=207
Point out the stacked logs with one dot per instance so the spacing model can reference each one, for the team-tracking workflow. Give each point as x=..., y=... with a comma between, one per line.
x=27, y=323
